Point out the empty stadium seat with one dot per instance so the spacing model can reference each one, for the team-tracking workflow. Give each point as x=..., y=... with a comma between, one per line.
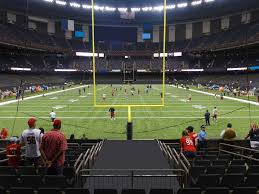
x=49, y=191
x=189, y=191
x=76, y=191
x=236, y=169
x=201, y=162
x=245, y=190
x=252, y=180
x=34, y=181
x=210, y=180
x=7, y=181
x=133, y=191
x=21, y=190
x=195, y=171
x=55, y=181
x=26, y=170
x=7, y=170
x=161, y=191
x=253, y=169
x=232, y=180
x=105, y=191
x=238, y=162
x=210, y=157
x=217, y=190
x=215, y=170
x=220, y=162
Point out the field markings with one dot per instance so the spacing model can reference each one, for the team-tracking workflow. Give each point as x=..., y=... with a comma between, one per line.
x=40, y=95
x=244, y=117
x=162, y=111
x=225, y=97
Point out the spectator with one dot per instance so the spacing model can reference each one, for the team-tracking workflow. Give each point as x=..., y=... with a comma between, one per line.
x=192, y=135
x=207, y=118
x=13, y=152
x=72, y=137
x=187, y=145
x=4, y=133
x=253, y=132
x=228, y=134
x=41, y=130
x=53, y=147
x=83, y=137
x=202, y=137
x=31, y=138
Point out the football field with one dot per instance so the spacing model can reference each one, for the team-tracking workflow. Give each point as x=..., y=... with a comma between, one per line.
x=80, y=117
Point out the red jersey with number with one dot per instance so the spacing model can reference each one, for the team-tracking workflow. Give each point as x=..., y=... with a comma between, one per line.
x=13, y=152
x=194, y=137
x=187, y=144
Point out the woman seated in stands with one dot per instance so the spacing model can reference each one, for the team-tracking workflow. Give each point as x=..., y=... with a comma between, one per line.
x=188, y=147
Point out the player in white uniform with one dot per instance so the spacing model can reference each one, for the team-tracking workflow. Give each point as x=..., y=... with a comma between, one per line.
x=215, y=114
x=31, y=138
x=52, y=116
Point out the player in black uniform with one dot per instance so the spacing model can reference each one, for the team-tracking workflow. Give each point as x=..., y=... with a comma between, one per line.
x=112, y=113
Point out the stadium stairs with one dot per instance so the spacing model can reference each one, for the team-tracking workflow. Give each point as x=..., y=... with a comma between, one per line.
x=148, y=167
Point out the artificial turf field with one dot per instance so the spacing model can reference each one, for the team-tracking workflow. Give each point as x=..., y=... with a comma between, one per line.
x=80, y=117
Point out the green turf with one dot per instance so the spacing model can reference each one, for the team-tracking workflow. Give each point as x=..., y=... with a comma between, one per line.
x=79, y=117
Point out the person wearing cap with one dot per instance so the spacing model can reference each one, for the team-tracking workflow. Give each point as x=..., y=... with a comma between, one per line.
x=4, y=133
x=53, y=148
x=13, y=152
x=202, y=137
x=31, y=138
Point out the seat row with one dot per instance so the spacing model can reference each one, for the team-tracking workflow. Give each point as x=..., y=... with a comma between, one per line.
x=24, y=190
x=221, y=170
x=219, y=190
x=227, y=180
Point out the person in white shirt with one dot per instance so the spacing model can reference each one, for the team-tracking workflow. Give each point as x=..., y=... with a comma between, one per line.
x=31, y=138
x=52, y=116
x=215, y=114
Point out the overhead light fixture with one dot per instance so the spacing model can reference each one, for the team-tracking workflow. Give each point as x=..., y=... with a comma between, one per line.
x=74, y=4
x=171, y=6
x=86, y=6
x=135, y=9
x=194, y=3
x=122, y=9
x=147, y=9
x=158, y=8
x=58, y=2
x=99, y=8
x=208, y=1
x=49, y=1
x=182, y=5
x=111, y=9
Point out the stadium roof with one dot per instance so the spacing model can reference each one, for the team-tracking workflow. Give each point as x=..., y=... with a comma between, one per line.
x=204, y=9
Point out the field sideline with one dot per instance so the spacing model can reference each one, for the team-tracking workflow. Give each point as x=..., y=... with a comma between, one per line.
x=80, y=117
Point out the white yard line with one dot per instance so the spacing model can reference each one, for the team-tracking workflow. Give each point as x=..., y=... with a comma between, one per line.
x=162, y=111
x=40, y=95
x=245, y=117
x=225, y=97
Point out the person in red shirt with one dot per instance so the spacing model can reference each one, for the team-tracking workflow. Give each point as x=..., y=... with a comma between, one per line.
x=13, y=152
x=192, y=134
x=4, y=133
x=187, y=145
x=53, y=148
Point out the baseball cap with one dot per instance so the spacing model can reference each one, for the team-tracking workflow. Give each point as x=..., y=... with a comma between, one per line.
x=57, y=122
x=203, y=126
x=13, y=139
x=32, y=121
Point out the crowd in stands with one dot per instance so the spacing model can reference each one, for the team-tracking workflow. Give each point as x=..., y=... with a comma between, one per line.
x=11, y=33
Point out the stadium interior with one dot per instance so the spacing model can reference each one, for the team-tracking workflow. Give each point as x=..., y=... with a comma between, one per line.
x=166, y=66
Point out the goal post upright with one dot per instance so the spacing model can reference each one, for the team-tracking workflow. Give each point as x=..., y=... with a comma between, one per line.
x=129, y=127
x=93, y=52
